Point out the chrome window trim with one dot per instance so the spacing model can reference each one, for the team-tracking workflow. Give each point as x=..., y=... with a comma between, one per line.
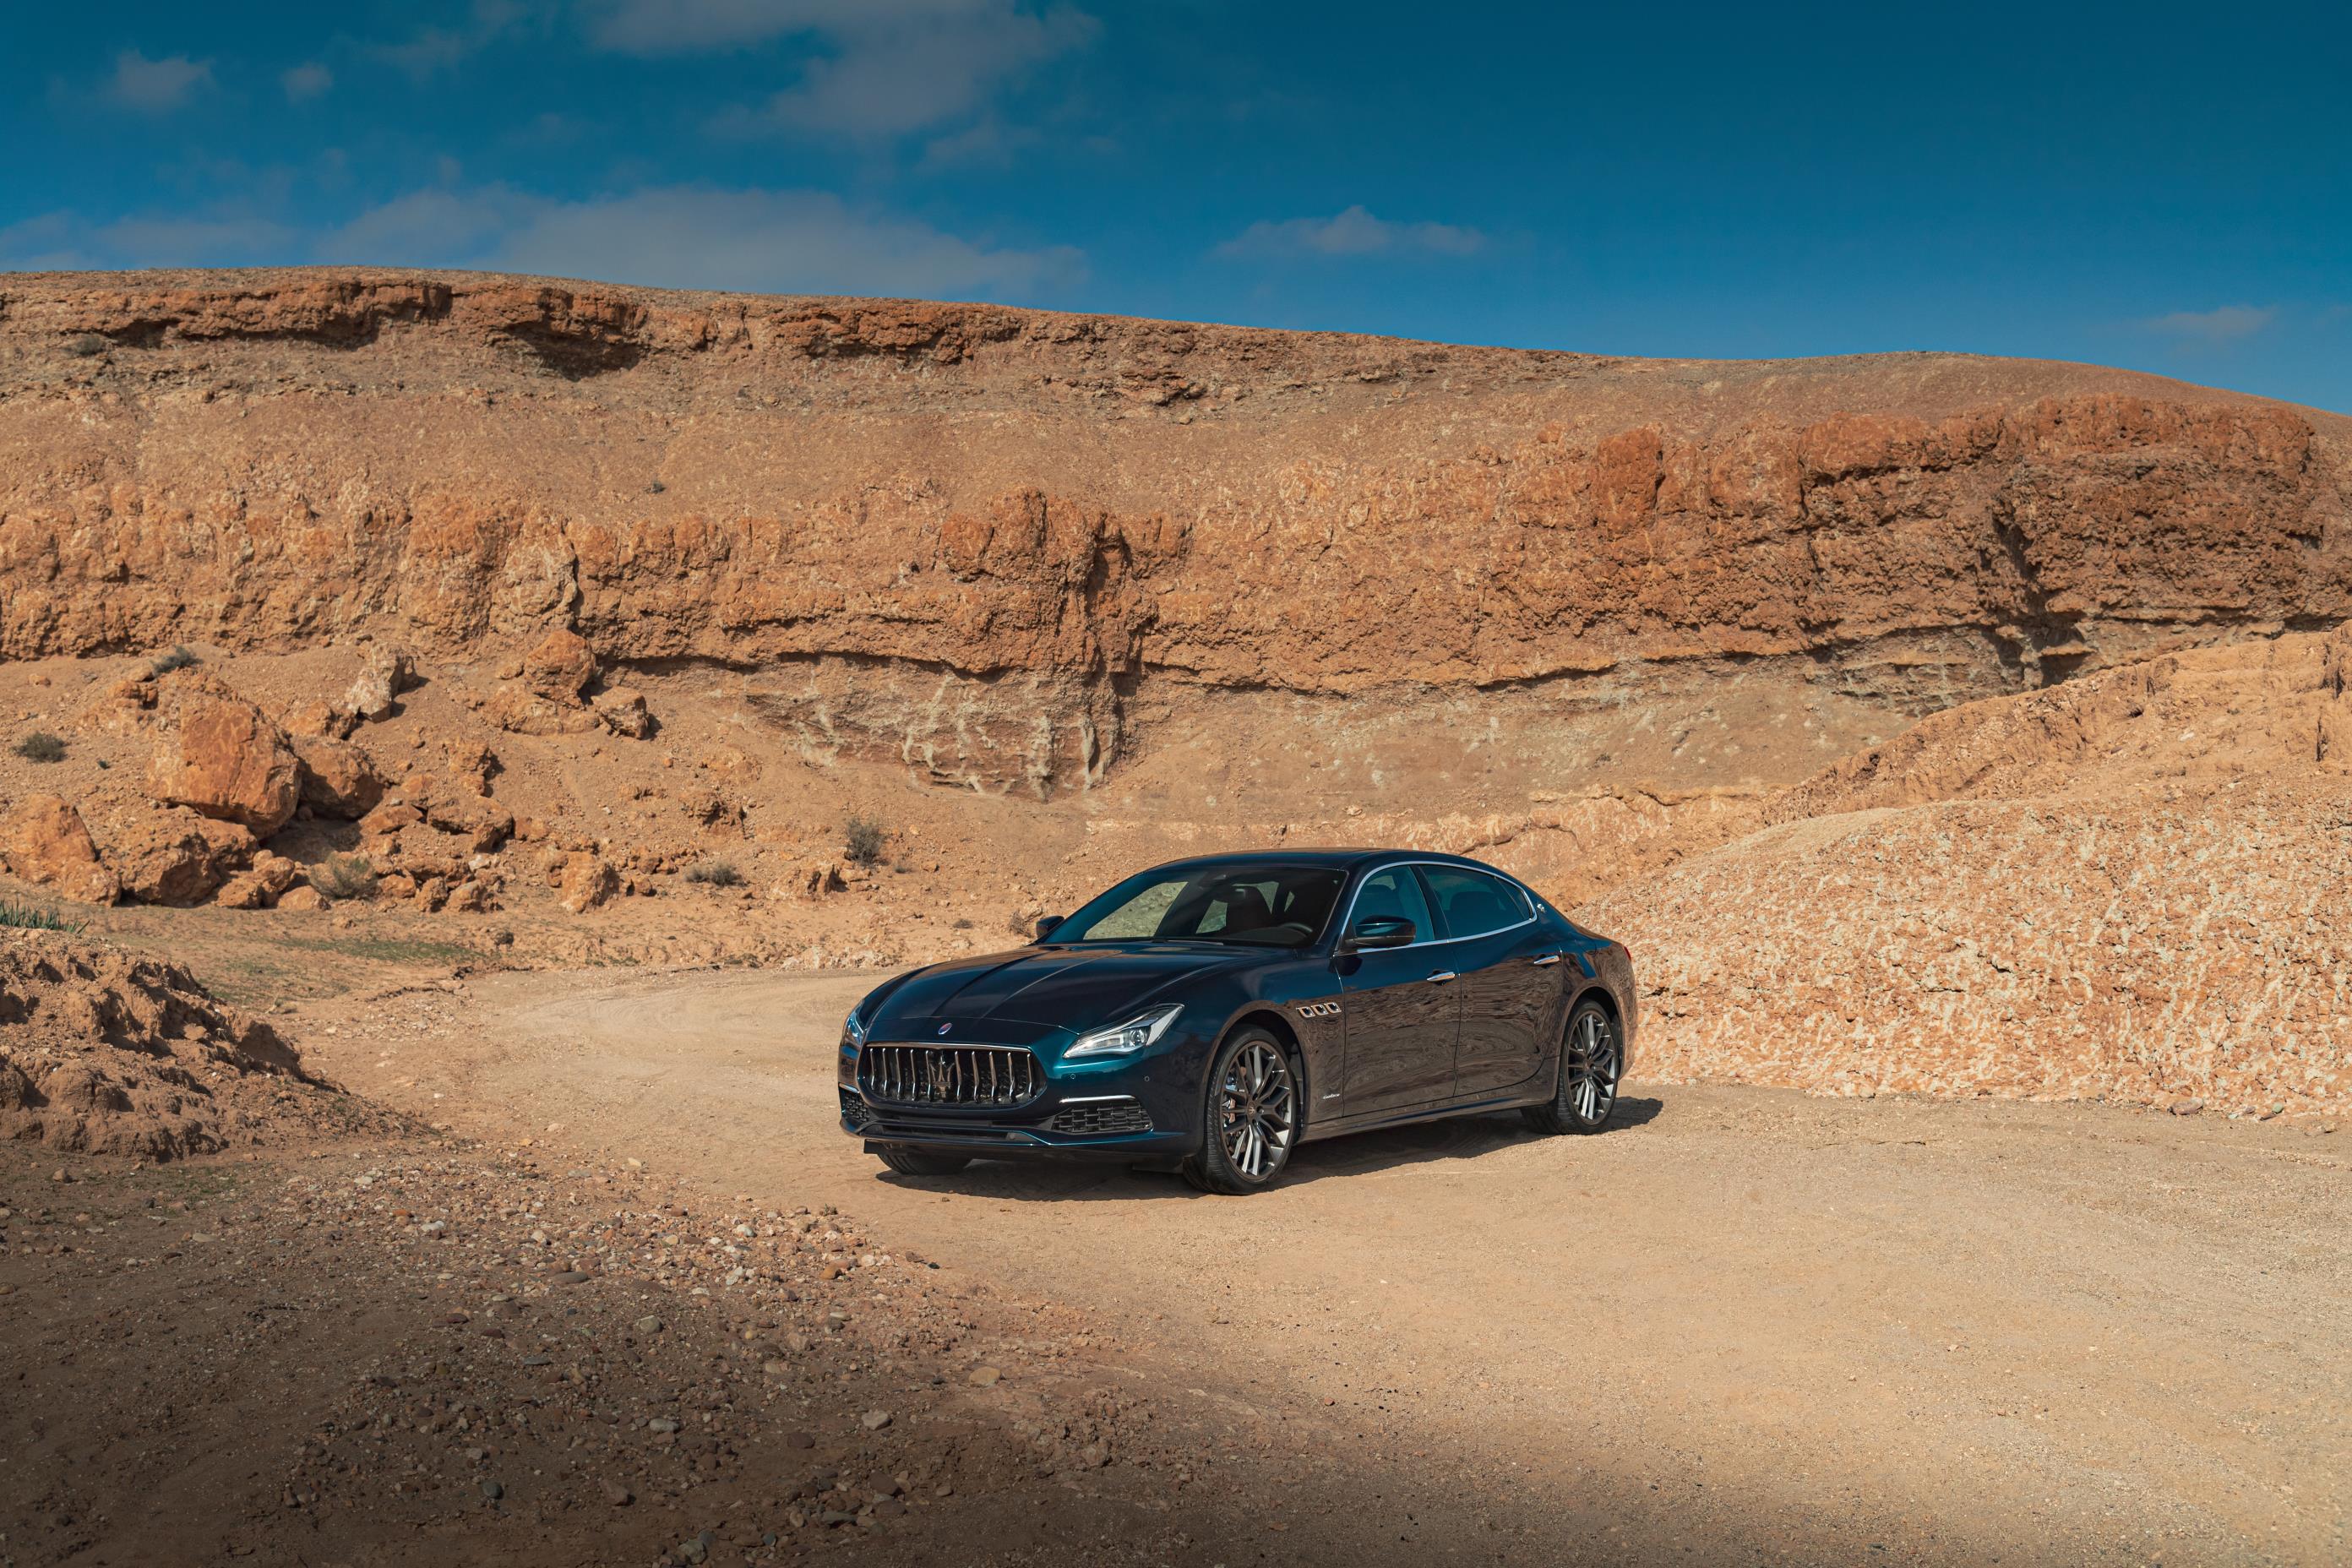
x=1371, y=871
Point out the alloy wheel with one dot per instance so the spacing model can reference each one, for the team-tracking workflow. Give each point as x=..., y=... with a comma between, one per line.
x=1257, y=1110
x=1592, y=1067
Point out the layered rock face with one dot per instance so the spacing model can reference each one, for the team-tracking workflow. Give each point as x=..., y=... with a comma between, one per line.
x=992, y=543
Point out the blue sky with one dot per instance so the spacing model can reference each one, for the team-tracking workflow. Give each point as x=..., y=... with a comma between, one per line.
x=2164, y=187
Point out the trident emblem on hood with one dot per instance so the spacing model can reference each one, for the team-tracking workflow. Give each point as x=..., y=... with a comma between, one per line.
x=945, y=1028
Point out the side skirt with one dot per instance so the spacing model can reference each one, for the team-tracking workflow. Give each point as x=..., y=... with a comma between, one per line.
x=1438, y=1112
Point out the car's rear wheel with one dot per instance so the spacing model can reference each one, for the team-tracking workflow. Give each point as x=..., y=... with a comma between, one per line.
x=909, y=1161
x=1585, y=1091
x=1253, y=1118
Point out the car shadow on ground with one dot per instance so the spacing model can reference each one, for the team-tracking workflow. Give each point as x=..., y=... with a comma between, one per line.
x=1360, y=1153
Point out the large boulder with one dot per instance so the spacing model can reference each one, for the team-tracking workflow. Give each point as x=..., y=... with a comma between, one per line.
x=588, y=881
x=176, y=856
x=218, y=755
x=44, y=840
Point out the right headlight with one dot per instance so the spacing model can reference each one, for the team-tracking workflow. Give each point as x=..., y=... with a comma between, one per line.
x=1125, y=1039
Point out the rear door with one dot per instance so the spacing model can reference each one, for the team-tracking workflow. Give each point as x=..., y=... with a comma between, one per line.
x=1504, y=988
x=1400, y=1021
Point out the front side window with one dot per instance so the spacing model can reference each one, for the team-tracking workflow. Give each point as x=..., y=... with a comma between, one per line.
x=1394, y=890
x=1268, y=905
x=1474, y=903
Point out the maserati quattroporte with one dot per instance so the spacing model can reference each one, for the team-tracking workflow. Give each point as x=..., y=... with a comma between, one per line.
x=1213, y=1015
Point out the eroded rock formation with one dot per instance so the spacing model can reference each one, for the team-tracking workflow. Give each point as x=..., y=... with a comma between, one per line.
x=975, y=539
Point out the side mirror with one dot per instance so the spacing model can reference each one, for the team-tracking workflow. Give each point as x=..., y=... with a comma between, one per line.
x=1379, y=930
x=1047, y=925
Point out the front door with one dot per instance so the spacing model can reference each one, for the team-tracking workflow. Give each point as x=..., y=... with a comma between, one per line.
x=1400, y=1021
x=1506, y=989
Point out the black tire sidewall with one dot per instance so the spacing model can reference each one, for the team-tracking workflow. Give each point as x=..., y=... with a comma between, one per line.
x=1219, y=1171
x=1563, y=1103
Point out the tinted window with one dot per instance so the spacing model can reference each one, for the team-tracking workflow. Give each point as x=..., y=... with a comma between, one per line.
x=1394, y=891
x=1473, y=903
x=1260, y=905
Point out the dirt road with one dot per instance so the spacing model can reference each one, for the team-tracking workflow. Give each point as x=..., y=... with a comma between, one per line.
x=1741, y=1324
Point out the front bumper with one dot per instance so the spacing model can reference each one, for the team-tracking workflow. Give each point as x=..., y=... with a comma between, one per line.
x=1143, y=1109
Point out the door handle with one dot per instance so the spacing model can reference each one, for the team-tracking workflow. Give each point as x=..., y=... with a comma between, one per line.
x=1547, y=958
x=1441, y=976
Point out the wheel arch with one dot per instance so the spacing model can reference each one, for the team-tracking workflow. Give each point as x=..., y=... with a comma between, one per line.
x=1274, y=1024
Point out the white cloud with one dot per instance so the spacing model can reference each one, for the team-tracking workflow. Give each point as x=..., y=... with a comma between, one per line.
x=153, y=87
x=986, y=143
x=61, y=241
x=783, y=242
x=434, y=49
x=684, y=27
x=1354, y=232
x=2216, y=328
x=887, y=67
x=310, y=79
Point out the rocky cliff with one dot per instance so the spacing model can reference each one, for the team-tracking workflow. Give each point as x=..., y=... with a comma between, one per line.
x=996, y=543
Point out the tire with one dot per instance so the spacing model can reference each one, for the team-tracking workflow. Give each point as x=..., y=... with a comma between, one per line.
x=1584, y=1088
x=911, y=1162
x=1253, y=1112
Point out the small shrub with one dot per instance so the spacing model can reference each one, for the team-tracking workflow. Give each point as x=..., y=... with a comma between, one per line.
x=29, y=918
x=715, y=874
x=85, y=345
x=178, y=657
x=40, y=746
x=344, y=877
x=862, y=840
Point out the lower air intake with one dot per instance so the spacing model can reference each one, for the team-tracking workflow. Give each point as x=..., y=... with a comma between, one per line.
x=1104, y=1117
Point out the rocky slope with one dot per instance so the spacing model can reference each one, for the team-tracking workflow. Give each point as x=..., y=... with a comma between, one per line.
x=998, y=543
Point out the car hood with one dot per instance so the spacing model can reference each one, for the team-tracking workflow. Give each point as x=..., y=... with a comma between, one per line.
x=1053, y=988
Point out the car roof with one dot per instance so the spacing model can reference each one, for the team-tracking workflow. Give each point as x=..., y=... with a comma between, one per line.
x=1340, y=860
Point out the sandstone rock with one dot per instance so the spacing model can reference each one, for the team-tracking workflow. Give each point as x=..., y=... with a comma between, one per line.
x=621, y=709
x=561, y=667
x=521, y=712
x=304, y=900
x=339, y=779
x=44, y=841
x=384, y=674
x=432, y=893
x=588, y=882
x=270, y=876
x=389, y=817
x=174, y=856
x=396, y=886
x=318, y=718
x=218, y=754
x=471, y=898
x=811, y=879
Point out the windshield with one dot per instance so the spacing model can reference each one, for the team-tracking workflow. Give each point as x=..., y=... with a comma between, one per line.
x=1257, y=905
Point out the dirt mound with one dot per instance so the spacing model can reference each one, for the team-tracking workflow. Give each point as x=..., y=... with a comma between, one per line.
x=2130, y=887
x=104, y=1052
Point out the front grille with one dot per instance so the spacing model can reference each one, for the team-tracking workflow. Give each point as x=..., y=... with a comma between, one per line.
x=997, y=1076
x=854, y=1110
x=1103, y=1117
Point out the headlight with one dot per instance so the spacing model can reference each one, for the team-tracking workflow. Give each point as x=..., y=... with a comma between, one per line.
x=853, y=1029
x=1126, y=1039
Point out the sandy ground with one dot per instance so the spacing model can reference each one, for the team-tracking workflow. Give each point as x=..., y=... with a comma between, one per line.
x=1741, y=1325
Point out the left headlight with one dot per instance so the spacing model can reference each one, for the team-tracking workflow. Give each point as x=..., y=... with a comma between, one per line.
x=853, y=1028
x=1126, y=1039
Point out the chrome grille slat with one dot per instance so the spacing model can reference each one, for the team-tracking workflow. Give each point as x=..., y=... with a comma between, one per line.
x=999, y=1076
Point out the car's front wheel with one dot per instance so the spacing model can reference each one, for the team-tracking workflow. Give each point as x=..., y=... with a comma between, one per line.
x=909, y=1161
x=1586, y=1089
x=1254, y=1116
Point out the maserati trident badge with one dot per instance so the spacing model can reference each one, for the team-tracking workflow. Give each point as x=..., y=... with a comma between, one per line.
x=945, y=1028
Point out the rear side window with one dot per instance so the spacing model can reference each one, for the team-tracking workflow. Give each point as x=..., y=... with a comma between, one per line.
x=1473, y=903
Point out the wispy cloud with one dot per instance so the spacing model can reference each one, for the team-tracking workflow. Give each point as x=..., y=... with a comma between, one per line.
x=1354, y=232
x=433, y=49
x=60, y=241
x=2213, y=329
x=700, y=237
x=308, y=81
x=156, y=86
x=887, y=67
